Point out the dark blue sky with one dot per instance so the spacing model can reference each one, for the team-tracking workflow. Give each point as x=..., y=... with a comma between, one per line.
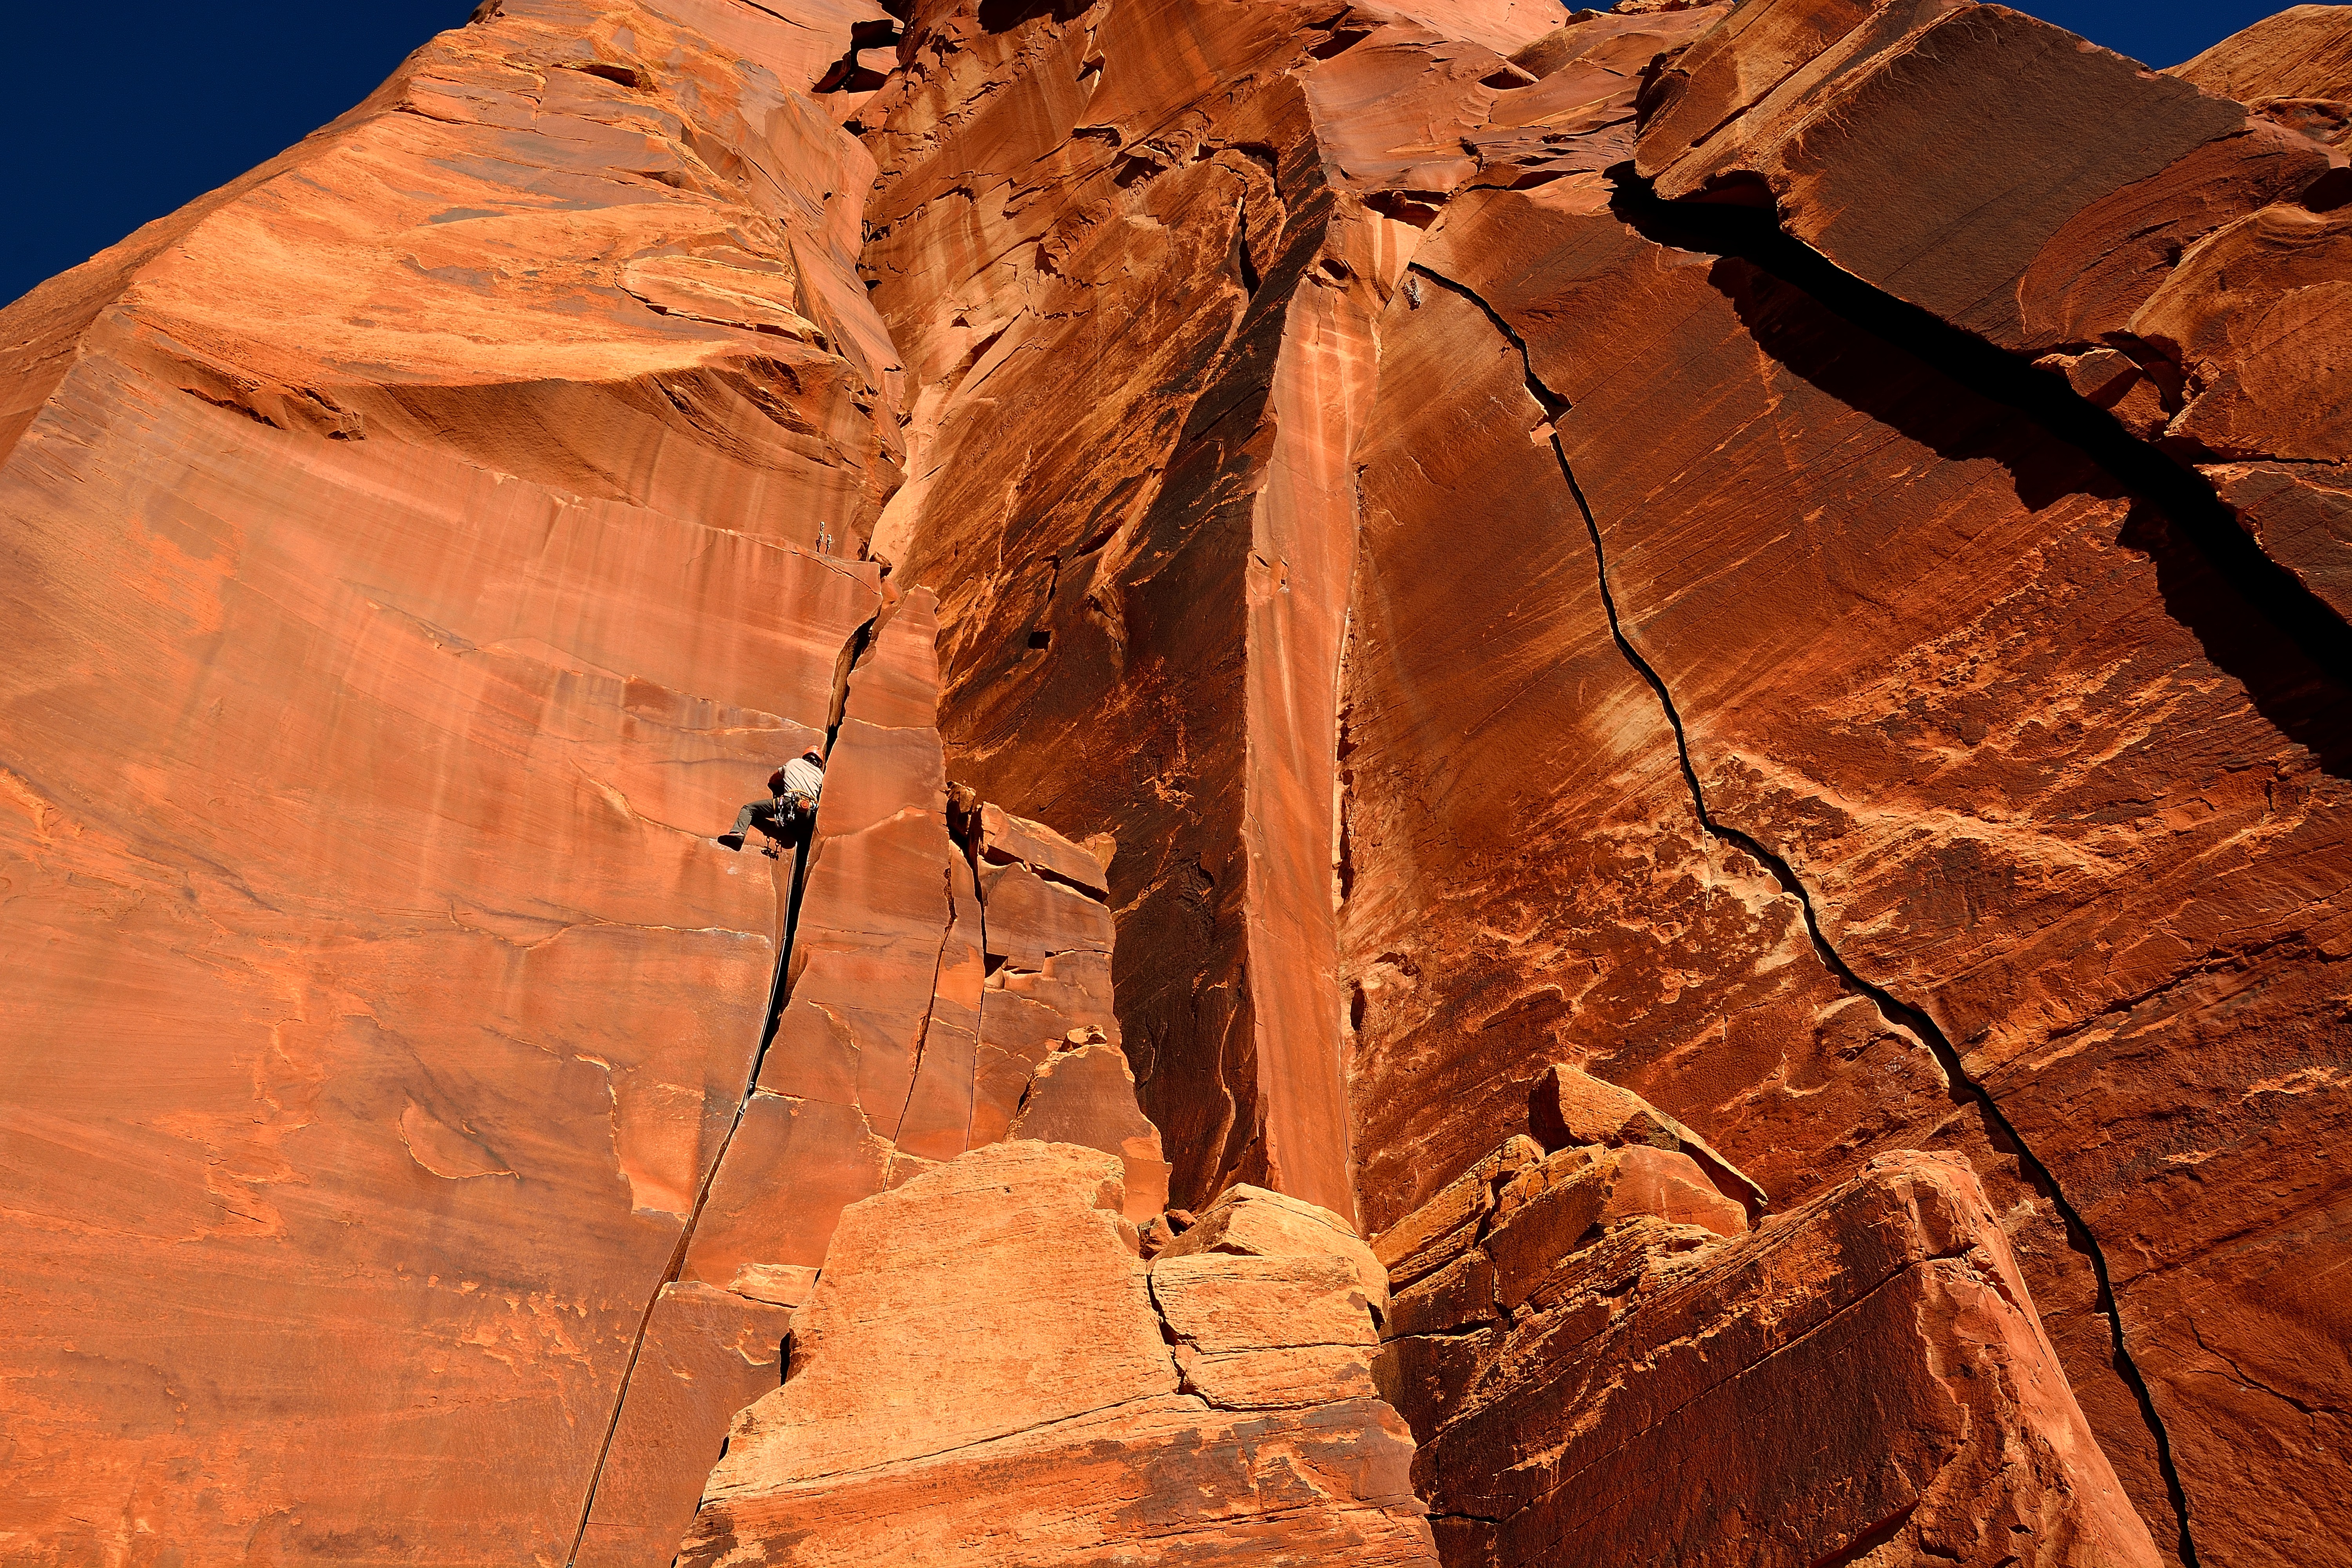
x=118, y=114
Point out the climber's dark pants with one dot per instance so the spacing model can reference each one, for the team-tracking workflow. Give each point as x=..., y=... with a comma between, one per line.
x=778, y=819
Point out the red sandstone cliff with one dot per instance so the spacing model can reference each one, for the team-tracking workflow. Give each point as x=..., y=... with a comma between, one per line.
x=1689, y=666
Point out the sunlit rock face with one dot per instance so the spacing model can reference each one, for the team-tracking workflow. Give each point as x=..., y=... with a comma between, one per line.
x=1586, y=799
x=416, y=549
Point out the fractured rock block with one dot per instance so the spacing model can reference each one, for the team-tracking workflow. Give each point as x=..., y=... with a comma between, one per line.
x=1048, y=940
x=1552, y=1209
x=1570, y=1106
x=1915, y=1408
x=1017, y=1032
x=1032, y=918
x=1452, y=1222
x=981, y=1377
x=2254, y=317
x=1257, y=1333
x=1257, y=1222
x=1086, y=1095
x=1005, y=838
x=1495, y=1240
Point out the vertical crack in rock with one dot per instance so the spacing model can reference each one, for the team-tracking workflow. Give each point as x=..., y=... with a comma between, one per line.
x=851, y=653
x=980, y=1014
x=1964, y=1089
x=930, y=1010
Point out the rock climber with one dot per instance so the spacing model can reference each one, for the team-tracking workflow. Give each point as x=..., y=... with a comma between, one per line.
x=790, y=809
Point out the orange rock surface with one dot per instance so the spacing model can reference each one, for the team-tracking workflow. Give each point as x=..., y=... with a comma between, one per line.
x=1507, y=692
x=398, y=599
x=898, y=1044
x=1918, y=1411
x=985, y=1373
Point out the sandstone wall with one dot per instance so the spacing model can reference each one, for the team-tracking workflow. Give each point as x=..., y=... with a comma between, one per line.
x=415, y=551
x=1791, y=554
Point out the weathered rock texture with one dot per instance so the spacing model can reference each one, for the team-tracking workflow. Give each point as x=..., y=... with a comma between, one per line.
x=984, y=1373
x=411, y=551
x=2303, y=52
x=1916, y=782
x=1793, y=557
x=900, y=1041
x=1919, y=1413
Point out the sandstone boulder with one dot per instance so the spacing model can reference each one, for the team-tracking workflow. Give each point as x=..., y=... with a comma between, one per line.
x=981, y=1376
x=1252, y=1222
x=1921, y=1415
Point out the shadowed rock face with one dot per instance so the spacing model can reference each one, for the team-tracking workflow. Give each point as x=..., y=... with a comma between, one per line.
x=1762, y=592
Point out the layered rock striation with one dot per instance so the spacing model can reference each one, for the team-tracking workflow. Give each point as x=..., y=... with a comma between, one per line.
x=1919, y=1413
x=1689, y=664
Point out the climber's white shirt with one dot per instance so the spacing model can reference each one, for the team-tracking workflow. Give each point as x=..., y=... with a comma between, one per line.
x=804, y=777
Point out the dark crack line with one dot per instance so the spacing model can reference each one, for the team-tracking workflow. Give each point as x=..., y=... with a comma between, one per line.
x=930, y=1010
x=850, y=654
x=980, y=1014
x=1963, y=1089
x=2244, y=1379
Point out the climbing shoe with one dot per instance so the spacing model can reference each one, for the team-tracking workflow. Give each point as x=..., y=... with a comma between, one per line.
x=730, y=840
